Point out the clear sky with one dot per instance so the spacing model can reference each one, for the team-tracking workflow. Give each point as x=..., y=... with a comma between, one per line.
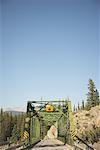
x=49, y=49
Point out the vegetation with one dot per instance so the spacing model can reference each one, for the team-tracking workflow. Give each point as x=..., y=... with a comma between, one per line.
x=92, y=133
x=91, y=136
x=83, y=105
x=92, y=96
x=92, y=100
x=11, y=127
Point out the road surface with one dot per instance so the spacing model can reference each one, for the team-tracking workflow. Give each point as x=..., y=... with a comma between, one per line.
x=51, y=144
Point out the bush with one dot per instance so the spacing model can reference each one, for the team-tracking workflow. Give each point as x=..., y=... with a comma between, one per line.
x=91, y=136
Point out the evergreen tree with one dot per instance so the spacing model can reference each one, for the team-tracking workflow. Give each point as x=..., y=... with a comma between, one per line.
x=97, y=97
x=91, y=100
x=78, y=106
x=83, y=105
x=74, y=109
x=20, y=125
x=1, y=124
x=15, y=135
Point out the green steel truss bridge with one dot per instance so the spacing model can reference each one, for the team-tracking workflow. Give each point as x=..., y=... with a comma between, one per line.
x=41, y=115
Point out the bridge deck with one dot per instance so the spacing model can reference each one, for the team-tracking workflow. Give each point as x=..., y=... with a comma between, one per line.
x=51, y=144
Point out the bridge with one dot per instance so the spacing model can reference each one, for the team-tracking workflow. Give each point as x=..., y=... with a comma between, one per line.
x=43, y=115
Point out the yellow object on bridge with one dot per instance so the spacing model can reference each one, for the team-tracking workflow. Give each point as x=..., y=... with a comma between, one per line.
x=49, y=108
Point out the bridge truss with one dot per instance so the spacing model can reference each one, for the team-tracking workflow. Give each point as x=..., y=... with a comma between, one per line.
x=41, y=115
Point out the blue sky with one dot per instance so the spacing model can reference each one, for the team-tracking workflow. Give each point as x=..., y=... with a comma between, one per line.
x=49, y=49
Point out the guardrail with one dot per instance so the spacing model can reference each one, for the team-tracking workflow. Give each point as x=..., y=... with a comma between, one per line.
x=16, y=147
x=78, y=147
x=9, y=146
x=31, y=145
x=4, y=145
x=88, y=147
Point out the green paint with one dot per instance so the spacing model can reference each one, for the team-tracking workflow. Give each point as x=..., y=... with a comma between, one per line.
x=41, y=121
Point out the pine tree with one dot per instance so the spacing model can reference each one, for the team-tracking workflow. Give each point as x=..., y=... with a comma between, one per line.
x=20, y=125
x=91, y=101
x=78, y=106
x=74, y=109
x=83, y=105
x=1, y=124
x=97, y=97
x=15, y=136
